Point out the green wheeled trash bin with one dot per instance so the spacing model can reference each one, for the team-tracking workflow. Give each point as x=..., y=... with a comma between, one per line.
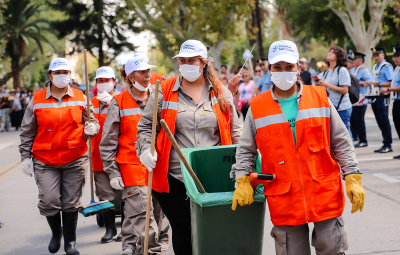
x=216, y=229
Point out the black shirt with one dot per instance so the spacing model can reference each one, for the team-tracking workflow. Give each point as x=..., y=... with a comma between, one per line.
x=306, y=78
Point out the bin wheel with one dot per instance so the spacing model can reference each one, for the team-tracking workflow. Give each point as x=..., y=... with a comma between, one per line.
x=100, y=220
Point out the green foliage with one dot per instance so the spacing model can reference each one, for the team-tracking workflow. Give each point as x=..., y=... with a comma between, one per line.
x=99, y=27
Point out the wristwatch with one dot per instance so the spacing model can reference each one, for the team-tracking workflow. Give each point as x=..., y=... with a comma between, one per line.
x=388, y=89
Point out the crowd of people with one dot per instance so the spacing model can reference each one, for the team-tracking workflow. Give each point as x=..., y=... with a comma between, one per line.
x=294, y=116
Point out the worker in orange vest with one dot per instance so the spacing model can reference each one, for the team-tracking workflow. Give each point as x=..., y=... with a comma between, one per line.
x=303, y=141
x=105, y=82
x=156, y=76
x=118, y=152
x=200, y=112
x=54, y=150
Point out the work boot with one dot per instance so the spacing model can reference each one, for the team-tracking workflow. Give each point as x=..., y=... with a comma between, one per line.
x=109, y=223
x=70, y=220
x=119, y=237
x=56, y=229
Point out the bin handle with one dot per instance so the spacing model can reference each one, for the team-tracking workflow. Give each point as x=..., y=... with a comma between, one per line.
x=182, y=157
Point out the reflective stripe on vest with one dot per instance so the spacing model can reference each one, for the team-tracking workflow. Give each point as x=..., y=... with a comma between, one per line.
x=133, y=173
x=169, y=114
x=308, y=187
x=59, y=136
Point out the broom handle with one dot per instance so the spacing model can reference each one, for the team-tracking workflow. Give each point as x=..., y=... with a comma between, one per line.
x=150, y=183
x=88, y=119
x=182, y=157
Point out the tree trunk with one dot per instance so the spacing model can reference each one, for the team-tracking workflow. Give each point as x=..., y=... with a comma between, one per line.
x=99, y=7
x=257, y=19
x=15, y=69
x=216, y=53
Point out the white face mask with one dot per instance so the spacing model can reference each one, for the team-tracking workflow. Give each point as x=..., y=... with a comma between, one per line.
x=140, y=87
x=190, y=72
x=108, y=87
x=61, y=80
x=284, y=80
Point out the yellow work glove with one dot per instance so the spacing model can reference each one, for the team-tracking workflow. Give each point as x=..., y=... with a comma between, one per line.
x=243, y=193
x=355, y=191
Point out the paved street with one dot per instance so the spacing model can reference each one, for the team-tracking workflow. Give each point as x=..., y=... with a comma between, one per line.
x=374, y=231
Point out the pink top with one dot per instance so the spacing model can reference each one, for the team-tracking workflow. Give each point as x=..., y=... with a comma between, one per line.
x=246, y=91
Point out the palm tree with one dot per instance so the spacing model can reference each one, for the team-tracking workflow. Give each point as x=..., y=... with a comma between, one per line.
x=21, y=27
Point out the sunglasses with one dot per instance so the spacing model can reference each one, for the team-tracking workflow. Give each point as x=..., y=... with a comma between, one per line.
x=245, y=76
x=256, y=71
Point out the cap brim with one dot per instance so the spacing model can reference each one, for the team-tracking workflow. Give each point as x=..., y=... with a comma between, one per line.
x=144, y=67
x=284, y=58
x=60, y=68
x=103, y=76
x=186, y=55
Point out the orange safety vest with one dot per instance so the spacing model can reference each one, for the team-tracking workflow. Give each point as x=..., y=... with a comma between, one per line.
x=155, y=77
x=308, y=187
x=97, y=162
x=59, y=137
x=132, y=171
x=168, y=113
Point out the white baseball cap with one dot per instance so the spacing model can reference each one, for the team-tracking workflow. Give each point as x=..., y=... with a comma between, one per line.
x=105, y=72
x=137, y=63
x=144, y=55
x=59, y=64
x=304, y=60
x=192, y=48
x=283, y=51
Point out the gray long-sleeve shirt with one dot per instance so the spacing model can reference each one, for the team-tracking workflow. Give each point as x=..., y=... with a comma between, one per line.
x=341, y=144
x=29, y=123
x=196, y=124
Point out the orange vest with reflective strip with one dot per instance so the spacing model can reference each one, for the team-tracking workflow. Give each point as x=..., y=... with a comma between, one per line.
x=132, y=171
x=163, y=144
x=101, y=117
x=308, y=187
x=59, y=137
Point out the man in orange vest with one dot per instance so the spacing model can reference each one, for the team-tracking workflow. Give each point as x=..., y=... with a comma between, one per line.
x=105, y=82
x=303, y=141
x=53, y=149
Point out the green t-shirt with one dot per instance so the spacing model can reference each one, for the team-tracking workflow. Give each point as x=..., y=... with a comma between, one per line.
x=290, y=107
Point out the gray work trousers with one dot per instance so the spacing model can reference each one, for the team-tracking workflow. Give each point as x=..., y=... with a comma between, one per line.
x=104, y=191
x=133, y=227
x=329, y=237
x=5, y=119
x=60, y=187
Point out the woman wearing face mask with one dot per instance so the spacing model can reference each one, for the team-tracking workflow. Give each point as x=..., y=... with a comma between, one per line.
x=118, y=152
x=246, y=91
x=53, y=150
x=105, y=82
x=199, y=111
x=303, y=141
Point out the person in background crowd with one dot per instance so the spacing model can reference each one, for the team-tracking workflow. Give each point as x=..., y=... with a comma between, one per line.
x=382, y=74
x=307, y=155
x=224, y=71
x=223, y=80
x=16, y=112
x=17, y=92
x=311, y=70
x=265, y=81
x=336, y=79
x=54, y=150
x=257, y=79
x=304, y=74
x=5, y=107
x=350, y=58
x=395, y=87
x=245, y=92
x=357, y=122
x=74, y=85
x=28, y=98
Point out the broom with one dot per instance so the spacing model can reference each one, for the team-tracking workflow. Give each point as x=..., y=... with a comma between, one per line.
x=94, y=207
x=150, y=181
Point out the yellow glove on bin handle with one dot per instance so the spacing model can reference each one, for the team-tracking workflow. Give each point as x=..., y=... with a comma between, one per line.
x=243, y=193
x=355, y=191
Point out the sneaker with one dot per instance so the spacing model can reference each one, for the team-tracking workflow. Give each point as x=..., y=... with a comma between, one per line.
x=128, y=251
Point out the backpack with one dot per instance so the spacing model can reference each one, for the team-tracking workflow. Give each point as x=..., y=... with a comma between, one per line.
x=354, y=89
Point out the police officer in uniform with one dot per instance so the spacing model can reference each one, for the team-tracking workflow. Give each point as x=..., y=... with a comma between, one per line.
x=382, y=76
x=350, y=58
x=395, y=88
x=357, y=122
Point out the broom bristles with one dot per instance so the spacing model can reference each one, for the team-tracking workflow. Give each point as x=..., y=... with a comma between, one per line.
x=96, y=208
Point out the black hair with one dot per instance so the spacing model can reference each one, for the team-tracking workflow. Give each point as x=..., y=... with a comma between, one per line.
x=224, y=66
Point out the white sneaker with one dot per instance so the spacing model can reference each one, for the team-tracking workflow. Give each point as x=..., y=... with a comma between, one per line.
x=127, y=251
